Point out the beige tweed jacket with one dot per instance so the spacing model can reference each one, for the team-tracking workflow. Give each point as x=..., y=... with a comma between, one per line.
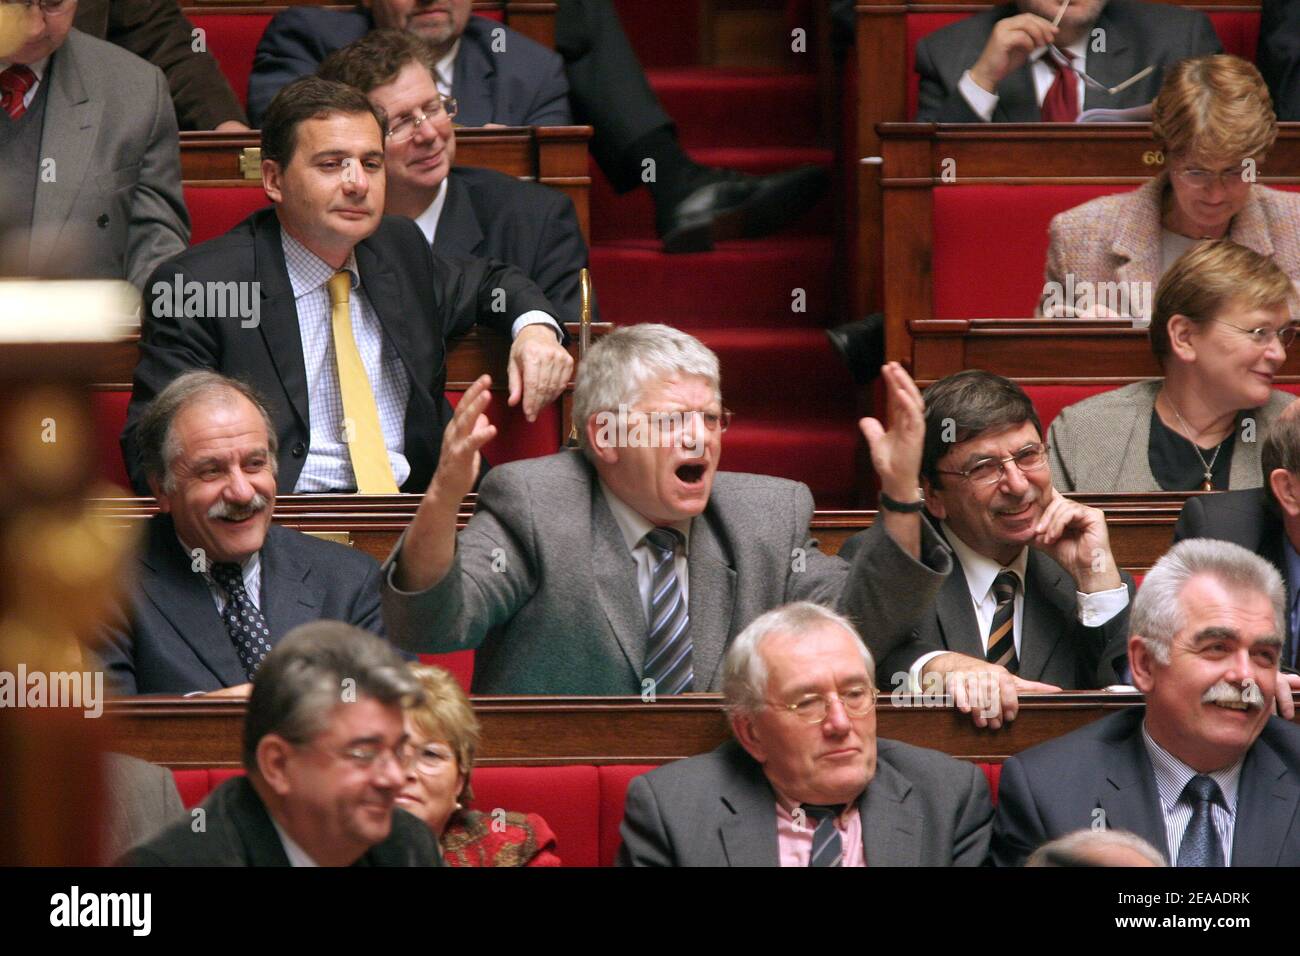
x=1117, y=239
x=1100, y=444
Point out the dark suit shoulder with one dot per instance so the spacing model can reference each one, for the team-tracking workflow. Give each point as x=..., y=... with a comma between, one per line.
x=317, y=22
x=974, y=29
x=922, y=764
x=1284, y=738
x=568, y=466
x=326, y=556
x=221, y=255
x=480, y=32
x=709, y=773
x=494, y=194
x=410, y=842
x=750, y=490
x=1154, y=16
x=1077, y=751
x=230, y=812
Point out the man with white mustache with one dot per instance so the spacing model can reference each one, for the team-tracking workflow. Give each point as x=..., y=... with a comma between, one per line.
x=1035, y=601
x=218, y=584
x=1206, y=773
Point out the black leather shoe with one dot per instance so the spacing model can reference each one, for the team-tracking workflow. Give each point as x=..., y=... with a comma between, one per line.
x=734, y=205
x=861, y=345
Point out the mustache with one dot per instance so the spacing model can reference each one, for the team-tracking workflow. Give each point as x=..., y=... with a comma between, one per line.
x=232, y=512
x=1224, y=693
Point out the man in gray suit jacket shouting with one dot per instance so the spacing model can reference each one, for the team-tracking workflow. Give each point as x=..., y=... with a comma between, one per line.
x=628, y=567
x=806, y=782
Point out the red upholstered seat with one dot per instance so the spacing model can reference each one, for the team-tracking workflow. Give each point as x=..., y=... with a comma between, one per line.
x=1238, y=32
x=516, y=437
x=1050, y=399
x=216, y=209
x=990, y=245
x=614, y=779
x=232, y=38
x=459, y=663
x=565, y=797
x=108, y=410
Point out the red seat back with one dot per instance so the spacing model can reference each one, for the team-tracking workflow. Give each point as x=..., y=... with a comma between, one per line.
x=516, y=437
x=459, y=663
x=920, y=26
x=216, y=209
x=614, y=779
x=108, y=411
x=1050, y=399
x=567, y=798
x=232, y=39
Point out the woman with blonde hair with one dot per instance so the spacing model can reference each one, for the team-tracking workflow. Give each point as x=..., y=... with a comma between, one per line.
x=445, y=733
x=1214, y=124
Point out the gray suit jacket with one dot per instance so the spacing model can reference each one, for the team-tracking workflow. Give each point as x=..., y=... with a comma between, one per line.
x=141, y=800
x=1054, y=646
x=1055, y=788
x=545, y=588
x=113, y=207
x=1100, y=444
x=1137, y=34
x=922, y=808
x=173, y=641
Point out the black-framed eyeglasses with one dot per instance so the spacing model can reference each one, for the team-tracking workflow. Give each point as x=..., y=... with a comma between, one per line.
x=1263, y=336
x=988, y=471
x=404, y=127
x=48, y=7
x=857, y=701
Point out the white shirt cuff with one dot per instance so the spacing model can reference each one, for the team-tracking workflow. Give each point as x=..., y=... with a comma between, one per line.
x=535, y=317
x=918, y=668
x=1099, y=607
x=977, y=98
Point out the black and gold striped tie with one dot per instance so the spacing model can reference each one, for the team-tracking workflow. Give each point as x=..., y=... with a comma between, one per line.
x=1002, y=639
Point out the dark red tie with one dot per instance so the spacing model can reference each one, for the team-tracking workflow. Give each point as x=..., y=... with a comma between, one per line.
x=14, y=84
x=1061, y=104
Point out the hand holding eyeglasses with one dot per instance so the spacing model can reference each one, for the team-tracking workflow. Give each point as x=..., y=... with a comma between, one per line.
x=1008, y=48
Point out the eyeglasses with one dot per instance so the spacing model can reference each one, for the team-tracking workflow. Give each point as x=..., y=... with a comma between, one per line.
x=989, y=471
x=430, y=760
x=668, y=423
x=1263, y=336
x=1204, y=178
x=51, y=8
x=365, y=756
x=857, y=701
x=1065, y=61
x=404, y=127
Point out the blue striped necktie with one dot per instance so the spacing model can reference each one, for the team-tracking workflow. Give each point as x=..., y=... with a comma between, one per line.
x=828, y=847
x=668, y=644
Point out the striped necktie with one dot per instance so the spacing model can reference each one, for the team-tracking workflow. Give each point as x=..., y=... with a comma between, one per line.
x=1201, y=845
x=1002, y=638
x=361, y=428
x=827, y=847
x=668, y=643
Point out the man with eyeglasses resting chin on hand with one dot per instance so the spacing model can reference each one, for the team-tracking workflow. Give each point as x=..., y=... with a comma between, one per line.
x=1035, y=602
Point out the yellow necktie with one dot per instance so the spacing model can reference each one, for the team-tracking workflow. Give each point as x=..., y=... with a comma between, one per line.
x=361, y=430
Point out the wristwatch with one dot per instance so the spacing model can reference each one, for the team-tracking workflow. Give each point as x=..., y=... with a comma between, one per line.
x=902, y=507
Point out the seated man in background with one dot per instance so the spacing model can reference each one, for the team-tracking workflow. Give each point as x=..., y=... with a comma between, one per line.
x=338, y=314
x=627, y=567
x=464, y=211
x=806, y=782
x=218, y=584
x=499, y=76
x=1278, y=55
x=1263, y=520
x=89, y=149
x=1204, y=772
x=157, y=31
x=1215, y=127
x=1008, y=64
x=1035, y=601
x=323, y=766
x=1220, y=328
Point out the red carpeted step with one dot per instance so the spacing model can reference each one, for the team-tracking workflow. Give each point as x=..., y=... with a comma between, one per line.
x=714, y=107
x=631, y=215
x=782, y=374
x=740, y=284
x=820, y=454
x=662, y=32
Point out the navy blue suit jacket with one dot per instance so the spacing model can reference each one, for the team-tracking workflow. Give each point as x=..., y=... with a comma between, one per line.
x=499, y=77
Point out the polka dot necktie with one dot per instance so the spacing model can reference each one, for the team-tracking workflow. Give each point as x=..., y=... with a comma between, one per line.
x=14, y=84
x=244, y=621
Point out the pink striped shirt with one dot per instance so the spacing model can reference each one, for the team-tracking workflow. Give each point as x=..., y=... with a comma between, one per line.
x=794, y=838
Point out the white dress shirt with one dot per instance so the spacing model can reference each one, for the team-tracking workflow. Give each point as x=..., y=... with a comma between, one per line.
x=1044, y=73
x=980, y=572
x=635, y=528
x=1172, y=776
x=252, y=573
x=296, y=854
x=445, y=69
x=38, y=68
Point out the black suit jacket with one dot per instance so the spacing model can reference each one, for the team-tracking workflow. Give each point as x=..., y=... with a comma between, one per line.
x=173, y=641
x=1055, y=788
x=238, y=832
x=1054, y=647
x=490, y=215
x=1137, y=34
x=421, y=300
x=1278, y=55
x=499, y=77
x=922, y=808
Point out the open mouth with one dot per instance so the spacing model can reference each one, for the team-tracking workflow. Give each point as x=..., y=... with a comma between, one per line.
x=1232, y=704
x=238, y=519
x=690, y=474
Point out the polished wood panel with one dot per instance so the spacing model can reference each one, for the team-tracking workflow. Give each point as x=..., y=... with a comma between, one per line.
x=915, y=154
x=192, y=732
x=554, y=156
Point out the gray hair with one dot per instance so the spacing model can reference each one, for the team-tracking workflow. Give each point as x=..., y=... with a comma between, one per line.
x=744, y=672
x=315, y=668
x=158, y=446
x=1076, y=849
x=619, y=366
x=1157, y=613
